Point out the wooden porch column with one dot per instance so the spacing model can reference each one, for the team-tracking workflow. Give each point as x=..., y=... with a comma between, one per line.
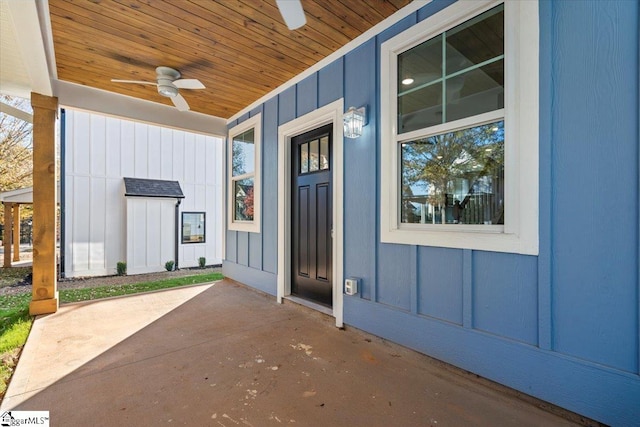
x=16, y=231
x=44, y=298
x=6, y=234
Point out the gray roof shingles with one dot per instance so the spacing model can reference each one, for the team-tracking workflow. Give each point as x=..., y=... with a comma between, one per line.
x=138, y=187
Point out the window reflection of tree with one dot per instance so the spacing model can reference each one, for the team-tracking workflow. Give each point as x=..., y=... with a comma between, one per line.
x=244, y=200
x=465, y=165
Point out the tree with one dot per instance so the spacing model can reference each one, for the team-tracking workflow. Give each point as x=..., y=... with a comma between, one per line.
x=248, y=204
x=237, y=159
x=16, y=155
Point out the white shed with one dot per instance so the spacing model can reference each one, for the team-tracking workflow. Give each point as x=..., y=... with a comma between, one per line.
x=102, y=227
x=153, y=223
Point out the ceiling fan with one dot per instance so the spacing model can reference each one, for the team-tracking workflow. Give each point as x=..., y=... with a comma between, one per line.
x=292, y=13
x=169, y=84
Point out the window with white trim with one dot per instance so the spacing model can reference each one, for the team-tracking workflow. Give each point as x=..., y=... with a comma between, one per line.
x=459, y=129
x=244, y=175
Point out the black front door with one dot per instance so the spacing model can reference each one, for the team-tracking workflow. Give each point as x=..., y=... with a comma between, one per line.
x=312, y=218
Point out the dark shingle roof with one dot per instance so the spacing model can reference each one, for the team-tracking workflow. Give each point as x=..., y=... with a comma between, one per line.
x=138, y=187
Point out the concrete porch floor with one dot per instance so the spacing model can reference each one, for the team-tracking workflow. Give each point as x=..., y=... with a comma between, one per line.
x=224, y=355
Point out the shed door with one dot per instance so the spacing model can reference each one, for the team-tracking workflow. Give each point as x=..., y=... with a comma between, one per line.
x=150, y=234
x=312, y=219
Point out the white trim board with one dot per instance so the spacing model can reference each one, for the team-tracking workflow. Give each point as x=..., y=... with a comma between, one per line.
x=331, y=113
x=112, y=104
x=32, y=45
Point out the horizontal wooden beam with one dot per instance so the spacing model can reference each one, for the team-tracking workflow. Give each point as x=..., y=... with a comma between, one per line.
x=15, y=112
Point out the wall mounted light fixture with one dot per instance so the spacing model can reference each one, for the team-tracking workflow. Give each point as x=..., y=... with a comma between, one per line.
x=354, y=120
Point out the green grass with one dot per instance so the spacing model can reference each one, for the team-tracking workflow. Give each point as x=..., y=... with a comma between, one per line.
x=14, y=307
x=15, y=321
x=86, y=294
x=15, y=324
x=15, y=330
x=10, y=304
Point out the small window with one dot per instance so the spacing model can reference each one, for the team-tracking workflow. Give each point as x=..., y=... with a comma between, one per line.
x=193, y=227
x=244, y=176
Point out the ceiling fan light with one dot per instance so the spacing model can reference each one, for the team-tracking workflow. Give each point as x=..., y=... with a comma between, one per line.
x=167, y=90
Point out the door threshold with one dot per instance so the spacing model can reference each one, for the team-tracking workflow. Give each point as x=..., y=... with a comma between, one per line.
x=310, y=304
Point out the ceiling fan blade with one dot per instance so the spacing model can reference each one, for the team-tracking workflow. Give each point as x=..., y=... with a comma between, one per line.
x=180, y=103
x=188, y=84
x=292, y=13
x=134, y=81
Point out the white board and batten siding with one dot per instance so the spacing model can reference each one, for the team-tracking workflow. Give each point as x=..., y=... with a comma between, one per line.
x=99, y=152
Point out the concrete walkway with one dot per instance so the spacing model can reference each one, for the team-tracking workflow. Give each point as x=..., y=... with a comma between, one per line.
x=224, y=355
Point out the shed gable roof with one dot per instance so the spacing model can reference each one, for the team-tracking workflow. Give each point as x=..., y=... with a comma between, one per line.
x=138, y=187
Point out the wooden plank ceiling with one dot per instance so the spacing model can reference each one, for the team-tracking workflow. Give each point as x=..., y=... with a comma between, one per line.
x=239, y=49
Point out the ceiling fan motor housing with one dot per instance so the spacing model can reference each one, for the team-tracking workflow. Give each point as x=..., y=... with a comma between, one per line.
x=166, y=76
x=167, y=88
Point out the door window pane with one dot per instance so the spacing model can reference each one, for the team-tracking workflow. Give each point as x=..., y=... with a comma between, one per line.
x=455, y=177
x=314, y=155
x=314, y=163
x=304, y=157
x=324, y=152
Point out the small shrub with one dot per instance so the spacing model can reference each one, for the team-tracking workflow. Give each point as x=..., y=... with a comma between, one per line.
x=169, y=265
x=121, y=267
x=202, y=261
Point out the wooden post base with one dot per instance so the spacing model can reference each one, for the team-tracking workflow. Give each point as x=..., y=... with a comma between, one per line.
x=44, y=306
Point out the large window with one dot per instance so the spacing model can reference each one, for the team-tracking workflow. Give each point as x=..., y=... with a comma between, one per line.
x=193, y=227
x=459, y=129
x=244, y=176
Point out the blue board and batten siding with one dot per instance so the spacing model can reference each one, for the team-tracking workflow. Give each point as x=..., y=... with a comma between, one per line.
x=564, y=325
